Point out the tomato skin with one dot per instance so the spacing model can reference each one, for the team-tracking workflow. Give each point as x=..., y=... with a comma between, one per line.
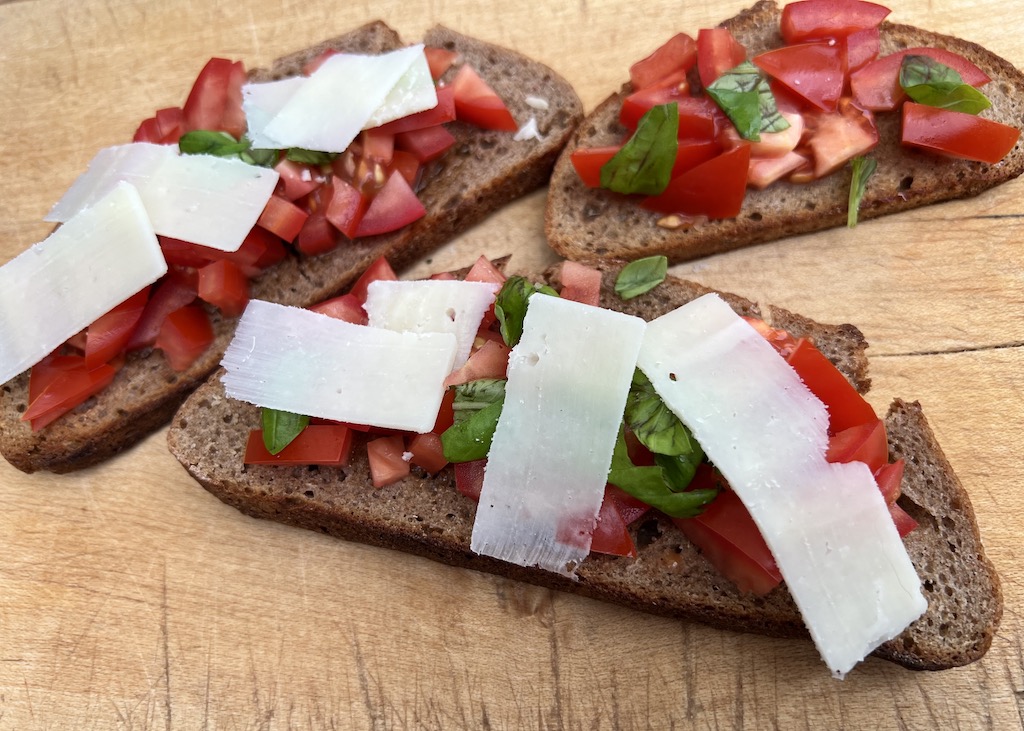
x=58, y=384
x=698, y=116
x=813, y=71
x=839, y=136
x=478, y=104
x=445, y=413
x=184, y=336
x=815, y=20
x=677, y=54
x=863, y=443
x=109, y=334
x=469, y=478
x=427, y=452
x=489, y=361
x=581, y=283
x=611, y=532
x=904, y=523
x=320, y=444
x=215, y=101
x=345, y=207
x=717, y=52
x=483, y=270
x=282, y=218
x=317, y=236
x=379, y=269
x=346, y=308
x=957, y=134
x=224, y=285
x=588, y=163
x=690, y=194
x=386, y=463
x=425, y=144
x=889, y=478
x=876, y=86
x=439, y=60
x=846, y=407
x=178, y=288
x=394, y=207
x=859, y=49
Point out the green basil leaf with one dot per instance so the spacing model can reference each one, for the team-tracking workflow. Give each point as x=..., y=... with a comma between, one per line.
x=745, y=96
x=655, y=425
x=510, y=306
x=863, y=169
x=310, y=157
x=262, y=158
x=280, y=428
x=641, y=276
x=649, y=484
x=644, y=164
x=210, y=142
x=470, y=439
x=477, y=395
x=678, y=471
x=929, y=82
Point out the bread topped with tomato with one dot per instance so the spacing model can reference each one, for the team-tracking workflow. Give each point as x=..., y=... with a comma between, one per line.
x=319, y=231
x=396, y=491
x=834, y=71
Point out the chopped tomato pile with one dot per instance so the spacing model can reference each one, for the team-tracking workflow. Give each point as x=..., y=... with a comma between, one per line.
x=827, y=82
x=365, y=191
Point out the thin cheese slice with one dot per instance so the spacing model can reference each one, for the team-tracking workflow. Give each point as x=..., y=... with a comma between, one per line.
x=261, y=103
x=95, y=261
x=346, y=94
x=430, y=305
x=296, y=360
x=568, y=379
x=206, y=200
x=826, y=524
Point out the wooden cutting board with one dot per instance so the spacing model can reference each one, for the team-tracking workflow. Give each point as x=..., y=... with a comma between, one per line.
x=130, y=598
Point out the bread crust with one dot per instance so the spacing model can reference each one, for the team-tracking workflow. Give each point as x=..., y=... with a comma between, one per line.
x=426, y=515
x=588, y=224
x=483, y=171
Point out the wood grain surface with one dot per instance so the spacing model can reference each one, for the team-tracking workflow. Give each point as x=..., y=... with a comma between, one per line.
x=132, y=599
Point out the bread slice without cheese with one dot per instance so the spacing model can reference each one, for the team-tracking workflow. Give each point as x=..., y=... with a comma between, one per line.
x=426, y=516
x=482, y=172
x=588, y=224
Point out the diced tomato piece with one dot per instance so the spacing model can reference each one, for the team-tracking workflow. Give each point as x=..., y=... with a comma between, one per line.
x=148, y=131
x=439, y=60
x=764, y=171
x=630, y=508
x=445, y=413
x=838, y=137
x=889, y=478
x=386, y=460
x=182, y=253
x=215, y=102
x=478, y=104
x=777, y=144
x=319, y=444
x=346, y=207
x=48, y=370
x=863, y=443
x=443, y=112
x=697, y=115
x=692, y=153
x=904, y=523
x=728, y=537
x=394, y=206
x=678, y=54
x=611, y=534
x=69, y=383
x=109, y=334
x=780, y=339
x=282, y=218
x=345, y=307
x=296, y=179
x=178, y=288
x=378, y=144
x=876, y=86
x=184, y=336
x=588, y=162
x=427, y=452
x=581, y=283
x=489, y=361
x=814, y=71
x=170, y=124
x=483, y=270
x=260, y=250
x=957, y=134
x=317, y=236
x=717, y=52
x=469, y=478
x=379, y=269
x=859, y=49
x=405, y=164
x=690, y=194
x=224, y=285
x=425, y=144
x=846, y=407
x=815, y=20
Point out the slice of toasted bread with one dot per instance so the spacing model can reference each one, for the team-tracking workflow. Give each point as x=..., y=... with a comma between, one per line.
x=427, y=516
x=587, y=223
x=482, y=172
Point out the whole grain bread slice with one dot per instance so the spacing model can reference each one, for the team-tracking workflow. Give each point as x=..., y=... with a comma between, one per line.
x=426, y=516
x=482, y=172
x=588, y=224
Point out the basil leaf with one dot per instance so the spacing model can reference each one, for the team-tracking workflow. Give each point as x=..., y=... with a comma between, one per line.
x=649, y=484
x=678, y=471
x=929, y=82
x=655, y=425
x=210, y=142
x=863, y=169
x=280, y=428
x=510, y=306
x=641, y=276
x=310, y=157
x=262, y=158
x=470, y=439
x=644, y=164
x=476, y=395
x=745, y=96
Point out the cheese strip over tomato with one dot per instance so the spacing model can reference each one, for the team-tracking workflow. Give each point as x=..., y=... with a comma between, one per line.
x=296, y=360
x=826, y=524
x=568, y=378
x=88, y=266
x=346, y=94
x=202, y=199
x=431, y=306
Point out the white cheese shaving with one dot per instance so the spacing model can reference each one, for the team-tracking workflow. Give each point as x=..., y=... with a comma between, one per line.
x=827, y=525
x=537, y=102
x=102, y=256
x=568, y=378
x=528, y=131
